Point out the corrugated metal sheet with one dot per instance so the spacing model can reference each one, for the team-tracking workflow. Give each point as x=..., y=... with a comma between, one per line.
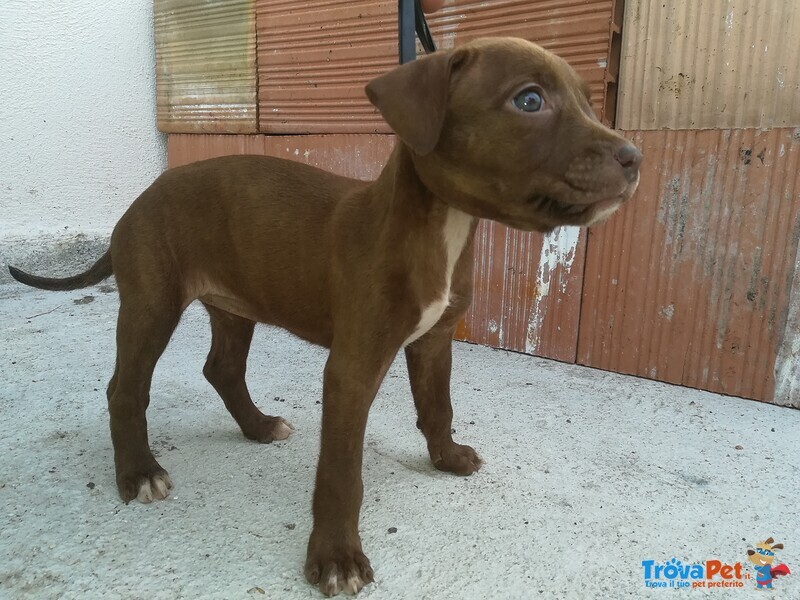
x=206, y=66
x=315, y=56
x=185, y=149
x=527, y=291
x=691, y=284
x=358, y=156
x=699, y=65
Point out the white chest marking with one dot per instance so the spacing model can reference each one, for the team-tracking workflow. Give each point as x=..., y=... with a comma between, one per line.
x=456, y=231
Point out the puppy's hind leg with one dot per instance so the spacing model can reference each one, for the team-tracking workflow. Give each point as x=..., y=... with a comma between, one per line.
x=144, y=328
x=225, y=370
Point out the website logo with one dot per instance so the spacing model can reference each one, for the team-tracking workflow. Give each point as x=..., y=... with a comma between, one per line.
x=708, y=574
x=713, y=573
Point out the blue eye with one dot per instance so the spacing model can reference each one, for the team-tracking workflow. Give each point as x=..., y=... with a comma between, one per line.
x=529, y=100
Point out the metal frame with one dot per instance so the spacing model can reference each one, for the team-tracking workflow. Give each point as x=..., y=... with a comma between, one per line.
x=411, y=21
x=406, y=12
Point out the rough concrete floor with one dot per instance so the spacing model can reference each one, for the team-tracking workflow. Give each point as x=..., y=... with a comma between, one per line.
x=587, y=474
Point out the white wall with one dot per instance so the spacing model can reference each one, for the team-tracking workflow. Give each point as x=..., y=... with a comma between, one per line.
x=78, y=137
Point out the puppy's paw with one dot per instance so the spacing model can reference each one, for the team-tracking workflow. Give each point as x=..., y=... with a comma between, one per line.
x=458, y=459
x=144, y=487
x=269, y=429
x=338, y=571
x=156, y=487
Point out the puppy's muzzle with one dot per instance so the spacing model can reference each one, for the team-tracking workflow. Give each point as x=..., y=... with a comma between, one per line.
x=603, y=172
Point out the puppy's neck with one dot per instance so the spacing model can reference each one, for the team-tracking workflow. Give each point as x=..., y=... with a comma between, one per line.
x=429, y=239
x=403, y=192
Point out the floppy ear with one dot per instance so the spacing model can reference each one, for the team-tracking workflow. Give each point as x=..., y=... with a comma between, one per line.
x=777, y=546
x=413, y=99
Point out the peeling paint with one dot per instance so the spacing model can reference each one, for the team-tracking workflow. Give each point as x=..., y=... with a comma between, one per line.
x=558, y=250
x=729, y=20
x=447, y=36
x=677, y=84
x=672, y=213
x=667, y=311
x=752, y=288
x=787, y=361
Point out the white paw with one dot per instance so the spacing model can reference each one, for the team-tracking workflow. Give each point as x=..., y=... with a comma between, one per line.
x=283, y=429
x=353, y=585
x=336, y=583
x=155, y=488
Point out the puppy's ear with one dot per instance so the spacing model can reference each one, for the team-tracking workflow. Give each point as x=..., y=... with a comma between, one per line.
x=413, y=99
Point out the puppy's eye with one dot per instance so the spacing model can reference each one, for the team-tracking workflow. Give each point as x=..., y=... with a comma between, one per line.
x=529, y=100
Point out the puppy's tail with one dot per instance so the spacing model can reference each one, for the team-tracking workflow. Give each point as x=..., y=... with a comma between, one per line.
x=96, y=273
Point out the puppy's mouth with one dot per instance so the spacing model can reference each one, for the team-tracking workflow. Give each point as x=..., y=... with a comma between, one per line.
x=575, y=214
x=582, y=213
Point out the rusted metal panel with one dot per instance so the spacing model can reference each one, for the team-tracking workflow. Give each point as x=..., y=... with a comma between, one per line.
x=206, y=66
x=704, y=65
x=358, y=156
x=527, y=291
x=315, y=56
x=184, y=149
x=691, y=283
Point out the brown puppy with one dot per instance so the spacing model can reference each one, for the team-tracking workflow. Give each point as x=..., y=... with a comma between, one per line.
x=498, y=128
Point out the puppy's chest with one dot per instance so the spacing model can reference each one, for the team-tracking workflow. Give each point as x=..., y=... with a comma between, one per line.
x=455, y=234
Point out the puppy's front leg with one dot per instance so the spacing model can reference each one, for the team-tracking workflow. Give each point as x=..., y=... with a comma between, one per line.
x=429, y=362
x=335, y=560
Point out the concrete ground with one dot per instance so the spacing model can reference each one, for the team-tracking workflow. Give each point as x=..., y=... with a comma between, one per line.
x=587, y=474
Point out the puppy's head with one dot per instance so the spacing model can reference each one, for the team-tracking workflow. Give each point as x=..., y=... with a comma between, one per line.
x=503, y=129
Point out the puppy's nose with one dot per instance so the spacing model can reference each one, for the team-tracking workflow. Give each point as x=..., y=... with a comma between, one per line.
x=630, y=158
